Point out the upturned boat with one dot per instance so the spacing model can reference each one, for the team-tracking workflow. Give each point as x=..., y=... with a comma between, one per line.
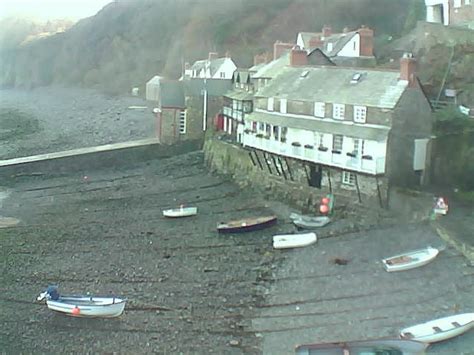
x=83, y=305
x=410, y=260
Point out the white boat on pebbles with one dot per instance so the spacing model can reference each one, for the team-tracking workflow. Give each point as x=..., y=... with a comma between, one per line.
x=288, y=241
x=180, y=212
x=410, y=260
x=83, y=305
x=309, y=222
x=439, y=329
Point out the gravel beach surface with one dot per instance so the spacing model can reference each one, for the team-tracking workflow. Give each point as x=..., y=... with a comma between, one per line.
x=53, y=119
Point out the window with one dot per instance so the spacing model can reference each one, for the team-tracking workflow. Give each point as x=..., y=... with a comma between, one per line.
x=457, y=3
x=467, y=2
x=283, y=103
x=276, y=131
x=337, y=142
x=321, y=140
x=319, y=109
x=360, y=114
x=182, y=122
x=338, y=111
x=284, y=131
x=270, y=103
x=261, y=126
x=330, y=46
x=222, y=75
x=348, y=178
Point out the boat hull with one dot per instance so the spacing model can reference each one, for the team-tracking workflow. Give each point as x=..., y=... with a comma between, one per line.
x=289, y=241
x=439, y=329
x=410, y=260
x=407, y=347
x=246, y=225
x=103, y=307
x=311, y=222
x=180, y=212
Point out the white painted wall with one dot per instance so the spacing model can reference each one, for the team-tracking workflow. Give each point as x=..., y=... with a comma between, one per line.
x=352, y=48
x=228, y=67
x=299, y=41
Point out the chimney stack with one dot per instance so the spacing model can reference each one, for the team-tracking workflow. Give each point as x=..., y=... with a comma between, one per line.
x=298, y=57
x=315, y=42
x=260, y=58
x=213, y=55
x=408, y=68
x=280, y=47
x=366, y=41
x=327, y=31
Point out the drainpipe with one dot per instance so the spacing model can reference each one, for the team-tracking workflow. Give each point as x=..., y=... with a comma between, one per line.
x=204, y=118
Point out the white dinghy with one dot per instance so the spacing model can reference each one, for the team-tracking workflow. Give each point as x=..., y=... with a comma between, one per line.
x=410, y=260
x=286, y=241
x=83, y=306
x=439, y=329
x=180, y=212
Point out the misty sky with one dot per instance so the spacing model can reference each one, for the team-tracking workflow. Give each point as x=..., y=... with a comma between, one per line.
x=52, y=9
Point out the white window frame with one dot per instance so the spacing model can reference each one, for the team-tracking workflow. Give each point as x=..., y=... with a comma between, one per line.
x=319, y=109
x=360, y=114
x=467, y=2
x=457, y=4
x=182, y=122
x=283, y=105
x=270, y=104
x=348, y=178
x=338, y=111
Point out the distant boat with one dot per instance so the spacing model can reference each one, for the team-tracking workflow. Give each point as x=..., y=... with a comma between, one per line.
x=246, y=224
x=83, y=306
x=439, y=329
x=410, y=260
x=285, y=241
x=369, y=347
x=309, y=222
x=180, y=212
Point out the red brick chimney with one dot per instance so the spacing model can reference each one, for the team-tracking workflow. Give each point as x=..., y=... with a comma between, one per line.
x=327, y=31
x=408, y=68
x=213, y=55
x=366, y=42
x=298, y=57
x=279, y=48
x=315, y=42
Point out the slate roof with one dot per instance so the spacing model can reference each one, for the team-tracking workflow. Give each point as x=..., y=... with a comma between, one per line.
x=376, y=88
x=240, y=95
x=349, y=129
x=272, y=69
x=172, y=94
x=215, y=64
x=338, y=40
x=214, y=87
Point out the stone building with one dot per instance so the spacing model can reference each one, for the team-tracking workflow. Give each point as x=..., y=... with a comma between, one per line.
x=354, y=131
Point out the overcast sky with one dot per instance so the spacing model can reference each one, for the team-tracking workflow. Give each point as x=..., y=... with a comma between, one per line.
x=52, y=9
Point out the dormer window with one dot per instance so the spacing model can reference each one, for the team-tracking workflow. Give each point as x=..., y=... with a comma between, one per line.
x=360, y=114
x=329, y=48
x=283, y=104
x=338, y=111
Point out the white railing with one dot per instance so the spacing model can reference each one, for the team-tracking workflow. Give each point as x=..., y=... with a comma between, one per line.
x=373, y=166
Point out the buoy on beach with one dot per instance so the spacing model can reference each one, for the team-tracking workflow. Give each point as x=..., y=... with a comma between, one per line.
x=76, y=311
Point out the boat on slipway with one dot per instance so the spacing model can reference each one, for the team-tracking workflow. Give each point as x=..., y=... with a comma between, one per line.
x=83, y=305
x=367, y=347
x=247, y=224
x=410, y=260
x=439, y=329
x=180, y=212
x=289, y=241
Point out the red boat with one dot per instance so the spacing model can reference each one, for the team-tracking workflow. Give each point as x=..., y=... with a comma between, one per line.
x=247, y=224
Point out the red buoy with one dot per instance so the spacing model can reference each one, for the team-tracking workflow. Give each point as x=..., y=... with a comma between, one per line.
x=76, y=311
x=324, y=209
x=325, y=201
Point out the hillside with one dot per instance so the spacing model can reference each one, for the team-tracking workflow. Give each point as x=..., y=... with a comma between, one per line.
x=128, y=42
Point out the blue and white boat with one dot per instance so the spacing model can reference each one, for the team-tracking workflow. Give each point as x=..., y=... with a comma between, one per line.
x=83, y=305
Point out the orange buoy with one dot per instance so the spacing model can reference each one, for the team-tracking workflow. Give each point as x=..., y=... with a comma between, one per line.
x=325, y=201
x=76, y=311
